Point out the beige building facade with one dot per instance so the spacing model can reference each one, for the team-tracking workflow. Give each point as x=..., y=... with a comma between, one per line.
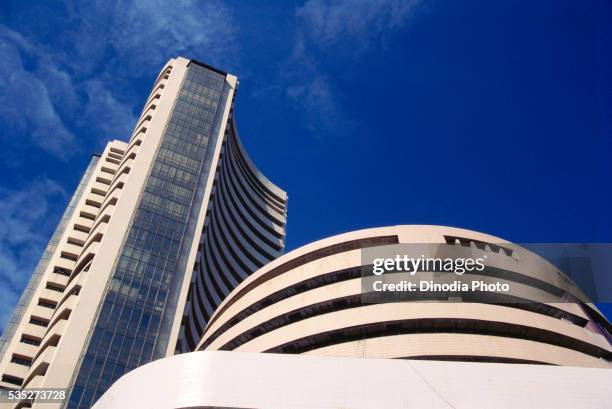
x=240, y=380
x=178, y=207
x=311, y=301
x=302, y=332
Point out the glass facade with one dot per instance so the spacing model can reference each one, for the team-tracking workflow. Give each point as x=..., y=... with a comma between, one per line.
x=27, y=294
x=128, y=330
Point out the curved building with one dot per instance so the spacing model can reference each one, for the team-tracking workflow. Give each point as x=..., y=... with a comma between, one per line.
x=311, y=301
x=161, y=228
x=244, y=230
x=216, y=379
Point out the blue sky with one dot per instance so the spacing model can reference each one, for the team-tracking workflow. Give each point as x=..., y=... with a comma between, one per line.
x=494, y=116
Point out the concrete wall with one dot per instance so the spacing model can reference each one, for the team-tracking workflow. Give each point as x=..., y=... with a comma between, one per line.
x=292, y=306
x=243, y=380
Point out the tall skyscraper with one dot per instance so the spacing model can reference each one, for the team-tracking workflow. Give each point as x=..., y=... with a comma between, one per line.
x=158, y=232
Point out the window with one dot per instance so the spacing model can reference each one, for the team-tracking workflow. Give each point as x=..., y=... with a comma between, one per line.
x=47, y=304
x=12, y=380
x=21, y=360
x=68, y=256
x=54, y=287
x=26, y=339
x=39, y=322
x=482, y=245
x=61, y=271
x=79, y=227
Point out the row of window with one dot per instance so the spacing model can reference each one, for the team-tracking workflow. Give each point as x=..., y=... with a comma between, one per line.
x=141, y=283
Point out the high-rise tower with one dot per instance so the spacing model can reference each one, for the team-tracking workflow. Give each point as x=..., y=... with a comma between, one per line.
x=159, y=231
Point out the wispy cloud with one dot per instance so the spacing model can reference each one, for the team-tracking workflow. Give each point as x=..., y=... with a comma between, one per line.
x=329, y=23
x=113, y=117
x=24, y=226
x=148, y=30
x=80, y=82
x=310, y=89
x=323, y=27
x=26, y=106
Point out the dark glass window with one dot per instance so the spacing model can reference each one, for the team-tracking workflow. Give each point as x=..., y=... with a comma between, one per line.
x=129, y=322
x=20, y=360
x=29, y=340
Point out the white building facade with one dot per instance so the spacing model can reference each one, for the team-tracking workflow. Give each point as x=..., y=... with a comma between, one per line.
x=160, y=230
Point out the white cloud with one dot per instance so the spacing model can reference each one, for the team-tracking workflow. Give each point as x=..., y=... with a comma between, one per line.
x=329, y=22
x=331, y=27
x=146, y=31
x=24, y=228
x=85, y=86
x=114, y=118
x=138, y=36
x=309, y=88
x=25, y=104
